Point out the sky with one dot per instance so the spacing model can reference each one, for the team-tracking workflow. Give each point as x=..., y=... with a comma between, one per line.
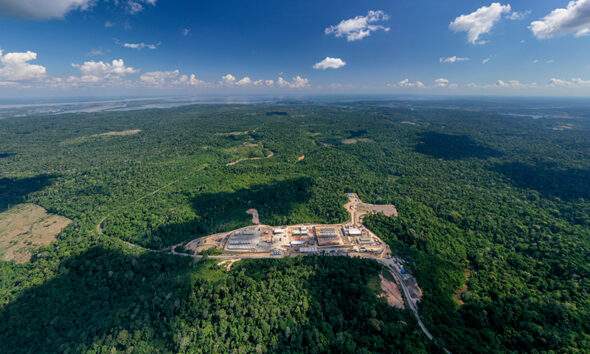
x=191, y=47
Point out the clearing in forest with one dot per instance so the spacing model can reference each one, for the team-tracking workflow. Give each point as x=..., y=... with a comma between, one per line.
x=248, y=152
x=107, y=135
x=351, y=141
x=255, y=217
x=391, y=293
x=25, y=228
x=119, y=133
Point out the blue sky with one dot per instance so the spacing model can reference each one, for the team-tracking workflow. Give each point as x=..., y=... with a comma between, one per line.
x=111, y=47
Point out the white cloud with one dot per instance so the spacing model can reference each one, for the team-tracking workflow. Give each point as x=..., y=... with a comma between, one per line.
x=486, y=60
x=16, y=67
x=141, y=45
x=574, y=19
x=359, y=27
x=480, y=22
x=245, y=81
x=518, y=15
x=452, y=60
x=297, y=82
x=573, y=83
x=228, y=79
x=330, y=63
x=186, y=31
x=164, y=79
x=109, y=24
x=267, y=83
x=135, y=6
x=406, y=83
x=42, y=9
x=514, y=84
x=442, y=82
x=96, y=71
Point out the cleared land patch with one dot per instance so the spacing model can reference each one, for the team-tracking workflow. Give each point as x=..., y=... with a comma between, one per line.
x=237, y=133
x=25, y=228
x=248, y=152
x=391, y=293
x=351, y=141
x=106, y=135
x=119, y=133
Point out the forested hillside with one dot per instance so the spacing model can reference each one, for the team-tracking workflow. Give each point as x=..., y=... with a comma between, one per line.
x=494, y=220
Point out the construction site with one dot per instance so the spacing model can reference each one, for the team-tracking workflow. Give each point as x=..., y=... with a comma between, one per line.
x=350, y=239
x=346, y=239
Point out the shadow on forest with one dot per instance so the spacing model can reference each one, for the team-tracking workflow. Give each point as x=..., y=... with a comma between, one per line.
x=453, y=147
x=548, y=179
x=104, y=300
x=15, y=190
x=100, y=293
x=5, y=155
x=225, y=211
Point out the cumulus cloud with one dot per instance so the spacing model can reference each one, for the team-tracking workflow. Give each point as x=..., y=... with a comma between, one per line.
x=330, y=63
x=574, y=20
x=452, y=60
x=573, y=83
x=42, y=9
x=228, y=79
x=245, y=81
x=141, y=46
x=442, y=82
x=164, y=79
x=96, y=71
x=359, y=27
x=16, y=67
x=267, y=83
x=406, y=83
x=480, y=22
x=296, y=82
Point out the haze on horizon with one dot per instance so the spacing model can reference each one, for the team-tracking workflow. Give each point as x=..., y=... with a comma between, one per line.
x=156, y=47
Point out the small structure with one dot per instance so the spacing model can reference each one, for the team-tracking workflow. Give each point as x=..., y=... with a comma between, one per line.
x=352, y=231
x=365, y=240
x=328, y=236
x=279, y=231
x=309, y=250
x=298, y=242
x=299, y=231
x=243, y=240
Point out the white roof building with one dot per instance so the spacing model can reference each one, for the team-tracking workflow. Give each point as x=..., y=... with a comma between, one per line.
x=353, y=231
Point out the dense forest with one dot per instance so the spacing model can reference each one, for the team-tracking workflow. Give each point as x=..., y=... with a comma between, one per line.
x=494, y=221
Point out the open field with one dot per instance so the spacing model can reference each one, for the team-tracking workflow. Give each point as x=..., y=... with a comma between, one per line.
x=25, y=228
